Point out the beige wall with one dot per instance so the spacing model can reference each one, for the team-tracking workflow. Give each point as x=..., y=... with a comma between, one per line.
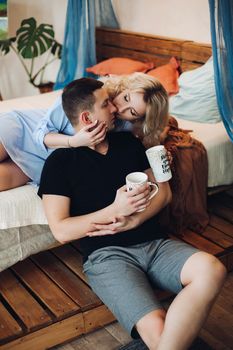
x=184, y=19
x=45, y=11
x=13, y=79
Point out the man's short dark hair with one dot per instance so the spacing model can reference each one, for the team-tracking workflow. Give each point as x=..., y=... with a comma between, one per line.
x=78, y=96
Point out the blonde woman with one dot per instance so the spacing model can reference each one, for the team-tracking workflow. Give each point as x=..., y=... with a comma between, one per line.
x=25, y=142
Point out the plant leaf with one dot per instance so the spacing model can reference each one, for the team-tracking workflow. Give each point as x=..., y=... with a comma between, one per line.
x=5, y=45
x=33, y=41
x=56, y=49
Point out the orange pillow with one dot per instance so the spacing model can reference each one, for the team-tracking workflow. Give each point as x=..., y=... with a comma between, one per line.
x=120, y=65
x=168, y=75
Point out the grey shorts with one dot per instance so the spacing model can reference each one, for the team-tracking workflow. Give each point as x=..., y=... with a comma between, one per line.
x=124, y=278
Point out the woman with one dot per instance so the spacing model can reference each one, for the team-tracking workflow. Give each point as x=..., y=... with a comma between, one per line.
x=142, y=105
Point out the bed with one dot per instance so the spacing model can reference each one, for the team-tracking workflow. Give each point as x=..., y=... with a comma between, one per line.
x=24, y=230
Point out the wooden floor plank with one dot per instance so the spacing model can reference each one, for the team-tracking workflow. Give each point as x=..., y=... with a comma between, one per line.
x=225, y=301
x=229, y=261
x=218, y=237
x=21, y=301
x=201, y=243
x=118, y=332
x=224, y=199
x=221, y=225
x=229, y=282
x=9, y=328
x=72, y=258
x=220, y=316
x=52, y=335
x=67, y=280
x=98, y=340
x=46, y=290
x=212, y=341
x=222, y=211
x=96, y=318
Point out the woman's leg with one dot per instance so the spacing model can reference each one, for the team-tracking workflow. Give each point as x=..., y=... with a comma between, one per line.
x=11, y=175
x=3, y=153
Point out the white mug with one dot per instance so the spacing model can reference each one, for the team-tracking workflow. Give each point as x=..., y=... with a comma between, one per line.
x=159, y=163
x=137, y=179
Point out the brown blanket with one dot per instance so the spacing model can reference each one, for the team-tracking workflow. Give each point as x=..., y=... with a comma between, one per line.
x=188, y=208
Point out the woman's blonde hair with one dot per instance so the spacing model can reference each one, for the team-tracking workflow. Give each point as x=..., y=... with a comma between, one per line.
x=154, y=95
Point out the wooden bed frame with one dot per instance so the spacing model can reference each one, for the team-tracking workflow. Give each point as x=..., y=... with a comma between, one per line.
x=145, y=47
x=45, y=300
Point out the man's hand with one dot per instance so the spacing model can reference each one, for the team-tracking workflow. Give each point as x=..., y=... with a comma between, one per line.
x=121, y=224
x=90, y=135
x=129, y=202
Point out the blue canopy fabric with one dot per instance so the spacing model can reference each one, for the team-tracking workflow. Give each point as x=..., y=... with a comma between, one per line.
x=79, y=51
x=221, y=20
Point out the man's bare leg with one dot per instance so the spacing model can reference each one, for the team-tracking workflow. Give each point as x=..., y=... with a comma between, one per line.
x=150, y=327
x=202, y=276
x=11, y=175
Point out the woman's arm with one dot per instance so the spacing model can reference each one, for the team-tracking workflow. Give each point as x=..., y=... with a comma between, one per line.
x=88, y=136
x=55, y=122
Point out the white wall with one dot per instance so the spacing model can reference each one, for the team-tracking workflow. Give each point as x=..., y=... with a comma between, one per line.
x=13, y=79
x=183, y=19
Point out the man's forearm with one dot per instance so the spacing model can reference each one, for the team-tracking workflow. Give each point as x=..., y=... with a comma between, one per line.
x=157, y=203
x=66, y=228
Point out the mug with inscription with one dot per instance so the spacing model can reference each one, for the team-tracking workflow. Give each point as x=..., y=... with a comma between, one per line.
x=159, y=163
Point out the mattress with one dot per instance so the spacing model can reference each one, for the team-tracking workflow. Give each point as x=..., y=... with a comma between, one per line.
x=219, y=150
x=23, y=225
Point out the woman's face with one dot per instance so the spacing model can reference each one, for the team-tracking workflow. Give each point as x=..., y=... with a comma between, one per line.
x=130, y=105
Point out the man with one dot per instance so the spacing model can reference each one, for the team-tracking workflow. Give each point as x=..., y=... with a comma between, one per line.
x=125, y=251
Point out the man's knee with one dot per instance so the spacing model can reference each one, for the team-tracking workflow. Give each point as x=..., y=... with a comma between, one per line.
x=150, y=327
x=205, y=269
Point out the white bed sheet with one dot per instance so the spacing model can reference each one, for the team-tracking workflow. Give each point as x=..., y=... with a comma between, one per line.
x=219, y=150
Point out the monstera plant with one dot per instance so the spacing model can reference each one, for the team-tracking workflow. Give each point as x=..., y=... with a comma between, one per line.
x=30, y=42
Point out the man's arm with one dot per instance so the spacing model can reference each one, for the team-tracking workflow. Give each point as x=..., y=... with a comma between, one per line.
x=157, y=203
x=66, y=228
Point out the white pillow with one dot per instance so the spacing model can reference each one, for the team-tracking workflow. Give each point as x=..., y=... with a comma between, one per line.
x=196, y=99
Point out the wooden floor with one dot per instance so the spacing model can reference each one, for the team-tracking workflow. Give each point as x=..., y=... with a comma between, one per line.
x=45, y=300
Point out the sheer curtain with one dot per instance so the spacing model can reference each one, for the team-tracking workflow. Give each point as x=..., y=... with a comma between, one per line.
x=221, y=17
x=79, y=51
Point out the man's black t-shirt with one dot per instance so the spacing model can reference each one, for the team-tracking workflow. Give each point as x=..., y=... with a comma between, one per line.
x=91, y=179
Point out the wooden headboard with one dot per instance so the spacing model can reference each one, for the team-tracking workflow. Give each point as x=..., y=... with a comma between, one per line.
x=146, y=47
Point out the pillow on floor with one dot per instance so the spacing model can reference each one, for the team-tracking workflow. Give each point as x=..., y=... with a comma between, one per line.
x=196, y=100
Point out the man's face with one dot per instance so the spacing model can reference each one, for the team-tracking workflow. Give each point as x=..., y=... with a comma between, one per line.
x=103, y=110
